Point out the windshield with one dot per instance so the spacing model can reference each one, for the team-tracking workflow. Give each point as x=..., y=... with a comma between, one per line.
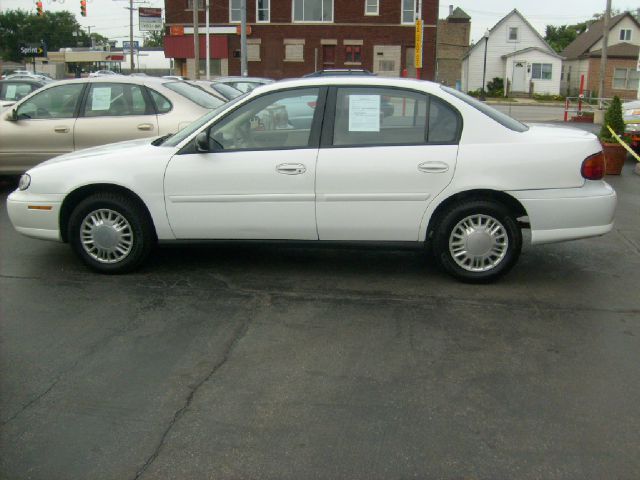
x=502, y=118
x=195, y=94
x=226, y=90
x=194, y=126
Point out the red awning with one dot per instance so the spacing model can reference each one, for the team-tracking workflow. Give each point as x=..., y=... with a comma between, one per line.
x=182, y=46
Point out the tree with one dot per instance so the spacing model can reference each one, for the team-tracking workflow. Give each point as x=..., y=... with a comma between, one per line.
x=55, y=29
x=559, y=37
x=154, y=38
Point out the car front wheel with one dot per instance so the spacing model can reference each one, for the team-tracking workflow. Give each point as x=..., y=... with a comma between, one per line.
x=477, y=241
x=110, y=233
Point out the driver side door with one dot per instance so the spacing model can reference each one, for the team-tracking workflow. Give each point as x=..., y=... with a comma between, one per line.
x=43, y=130
x=256, y=181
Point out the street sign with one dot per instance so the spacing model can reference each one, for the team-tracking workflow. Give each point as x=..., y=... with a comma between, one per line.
x=239, y=30
x=32, y=50
x=418, y=59
x=126, y=47
x=150, y=19
x=176, y=30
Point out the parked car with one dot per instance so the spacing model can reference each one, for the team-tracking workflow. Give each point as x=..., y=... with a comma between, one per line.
x=631, y=115
x=102, y=73
x=243, y=84
x=339, y=71
x=446, y=171
x=72, y=115
x=219, y=89
x=14, y=89
x=175, y=77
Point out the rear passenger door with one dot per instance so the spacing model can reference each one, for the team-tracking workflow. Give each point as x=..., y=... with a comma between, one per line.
x=113, y=112
x=385, y=152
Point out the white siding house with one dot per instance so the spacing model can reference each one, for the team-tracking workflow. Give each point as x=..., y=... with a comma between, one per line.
x=516, y=53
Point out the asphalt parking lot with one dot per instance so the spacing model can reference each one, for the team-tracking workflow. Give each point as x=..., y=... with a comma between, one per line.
x=250, y=361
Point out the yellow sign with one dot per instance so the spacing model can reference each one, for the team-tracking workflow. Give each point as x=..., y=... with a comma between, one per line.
x=418, y=59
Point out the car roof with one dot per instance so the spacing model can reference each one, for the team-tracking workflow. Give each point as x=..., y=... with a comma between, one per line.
x=350, y=80
x=241, y=79
x=38, y=81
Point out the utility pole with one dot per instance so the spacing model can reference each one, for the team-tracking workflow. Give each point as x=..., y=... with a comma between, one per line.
x=131, y=34
x=603, y=55
x=196, y=38
x=243, y=38
x=207, y=42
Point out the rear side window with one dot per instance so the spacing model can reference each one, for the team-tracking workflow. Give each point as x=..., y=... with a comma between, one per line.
x=195, y=94
x=163, y=105
x=502, y=118
x=444, y=122
x=116, y=99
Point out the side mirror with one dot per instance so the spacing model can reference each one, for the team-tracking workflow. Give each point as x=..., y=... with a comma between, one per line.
x=11, y=115
x=202, y=142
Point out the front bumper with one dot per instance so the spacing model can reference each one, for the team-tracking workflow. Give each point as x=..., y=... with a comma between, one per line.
x=35, y=215
x=556, y=215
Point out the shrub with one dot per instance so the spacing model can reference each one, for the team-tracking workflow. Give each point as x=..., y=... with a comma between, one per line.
x=612, y=118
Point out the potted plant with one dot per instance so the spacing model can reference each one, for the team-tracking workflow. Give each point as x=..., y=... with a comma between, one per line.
x=614, y=153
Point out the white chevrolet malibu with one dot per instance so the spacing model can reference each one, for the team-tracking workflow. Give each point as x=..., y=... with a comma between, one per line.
x=380, y=160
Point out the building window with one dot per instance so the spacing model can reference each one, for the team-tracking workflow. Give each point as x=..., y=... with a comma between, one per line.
x=625, y=79
x=313, y=10
x=408, y=11
x=541, y=71
x=235, y=11
x=513, y=34
x=353, y=54
x=190, y=4
x=562, y=73
x=371, y=7
x=253, y=49
x=625, y=34
x=263, y=13
x=293, y=50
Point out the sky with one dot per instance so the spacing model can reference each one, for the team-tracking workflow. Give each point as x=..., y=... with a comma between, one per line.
x=111, y=19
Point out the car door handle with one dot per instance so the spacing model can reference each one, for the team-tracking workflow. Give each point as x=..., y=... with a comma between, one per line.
x=145, y=126
x=291, y=168
x=61, y=129
x=433, y=167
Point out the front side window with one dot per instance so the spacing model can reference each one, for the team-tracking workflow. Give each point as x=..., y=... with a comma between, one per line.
x=55, y=102
x=388, y=116
x=279, y=120
x=513, y=34
x=313, y=10
x=116, y=99
x=625, y=79
x=541, y=71
x=263, y=13
x=625, y=34
x=408, y=11
x=371, y=7
x=15, y=90
x=235, y=11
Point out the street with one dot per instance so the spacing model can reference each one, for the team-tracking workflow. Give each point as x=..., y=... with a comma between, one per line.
x=255, y=361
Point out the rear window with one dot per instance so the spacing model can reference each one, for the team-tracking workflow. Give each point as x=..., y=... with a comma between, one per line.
x=195, y=94
x=502, y=118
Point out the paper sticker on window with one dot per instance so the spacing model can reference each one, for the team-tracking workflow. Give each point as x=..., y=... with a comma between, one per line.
x=364, y=113
x=101, y=98
x=11, y=92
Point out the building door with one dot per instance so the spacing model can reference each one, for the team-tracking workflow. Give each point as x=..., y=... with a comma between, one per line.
x=328, y=56
x=519, y=81
x=386, y=60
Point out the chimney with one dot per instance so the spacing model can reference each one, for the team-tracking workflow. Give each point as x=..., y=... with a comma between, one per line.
x=451, y=10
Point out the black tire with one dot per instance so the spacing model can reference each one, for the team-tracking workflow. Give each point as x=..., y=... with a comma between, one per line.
x=489, y=267
x=138, y=234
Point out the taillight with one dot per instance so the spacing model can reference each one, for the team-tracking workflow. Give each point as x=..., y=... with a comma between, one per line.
x=593, y=167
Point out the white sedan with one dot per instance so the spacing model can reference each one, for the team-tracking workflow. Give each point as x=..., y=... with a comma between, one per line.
x=442, y=171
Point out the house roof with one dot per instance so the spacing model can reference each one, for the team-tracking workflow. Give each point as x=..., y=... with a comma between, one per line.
x=459, y=14
x=583, y=42
x=525, y=50
x=622, y=50
x=504, y=19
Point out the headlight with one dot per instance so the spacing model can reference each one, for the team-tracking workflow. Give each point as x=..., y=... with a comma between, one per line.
x=25, y=181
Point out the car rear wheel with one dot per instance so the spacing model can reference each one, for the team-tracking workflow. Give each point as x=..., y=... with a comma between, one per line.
x=477, y=241
x=110, y=233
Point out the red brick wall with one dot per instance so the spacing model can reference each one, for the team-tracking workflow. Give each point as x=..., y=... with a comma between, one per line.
x=612, y=63
x=383, y=29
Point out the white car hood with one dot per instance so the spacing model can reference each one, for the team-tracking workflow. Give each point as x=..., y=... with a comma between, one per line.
x=131, y=146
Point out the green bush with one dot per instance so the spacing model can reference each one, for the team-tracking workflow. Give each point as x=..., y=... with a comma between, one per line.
x=495, y=88
x=545, y=97
x=612, y=118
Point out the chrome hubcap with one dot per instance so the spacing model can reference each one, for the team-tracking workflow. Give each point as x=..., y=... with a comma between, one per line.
x=478, y=243
x=106, y=236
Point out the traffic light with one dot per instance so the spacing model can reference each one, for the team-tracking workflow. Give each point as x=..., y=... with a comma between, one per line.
x=39, y=9
x=83, y=8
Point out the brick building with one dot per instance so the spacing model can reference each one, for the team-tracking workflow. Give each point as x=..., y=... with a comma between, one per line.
x=453, y=42
x=289, y=38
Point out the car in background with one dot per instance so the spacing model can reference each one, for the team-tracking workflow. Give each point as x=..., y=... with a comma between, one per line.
x=81, y=113
x=15, y=89
x=243, y=84
x=219, y=89
x=447, y=173
x=631, y=115
x=102, y=73
x=340, y=72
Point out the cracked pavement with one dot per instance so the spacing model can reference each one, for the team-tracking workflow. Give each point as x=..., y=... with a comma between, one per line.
x=255, y=361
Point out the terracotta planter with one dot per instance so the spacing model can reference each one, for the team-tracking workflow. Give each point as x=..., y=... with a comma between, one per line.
x=614, y=156
x=583, y=119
